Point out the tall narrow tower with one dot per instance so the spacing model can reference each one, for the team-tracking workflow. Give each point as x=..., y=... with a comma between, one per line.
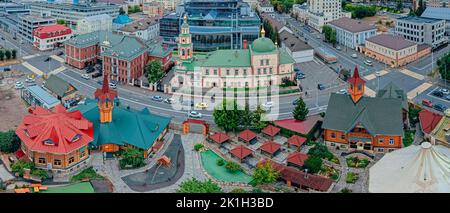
x=356, y=86
x=185, y=49
x=105, y=100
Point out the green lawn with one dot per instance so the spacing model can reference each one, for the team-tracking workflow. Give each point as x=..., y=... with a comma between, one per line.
x=83, y=187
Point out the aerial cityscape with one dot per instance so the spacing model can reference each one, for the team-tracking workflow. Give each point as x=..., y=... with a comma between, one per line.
x=224, y=96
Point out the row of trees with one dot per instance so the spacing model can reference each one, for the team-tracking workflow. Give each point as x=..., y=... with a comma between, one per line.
x=329, y=34
x=271, y=32
x=7, y=54
x=134, y=9
x=284, y=6
x=360, y=11
x=444, y=66
x=229, y=116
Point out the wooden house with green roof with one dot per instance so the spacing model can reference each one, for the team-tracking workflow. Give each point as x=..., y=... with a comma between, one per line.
x=60, y=88
x=263, y=64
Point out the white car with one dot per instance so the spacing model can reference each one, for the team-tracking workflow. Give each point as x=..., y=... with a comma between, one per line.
x=18, y=85
x=445, y=91
x=267, y=105
x=354, y=55
x=342, y=91
x=194, y=114
x=30, y=79
x=85, y=76
x=368, y=62
x=338, y=47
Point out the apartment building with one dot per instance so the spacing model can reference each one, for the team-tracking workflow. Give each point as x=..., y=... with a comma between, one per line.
x=421, y=30
x=146, y=29
x=322, y=12
x=89, y=24
x=28, y=23
x=352, y=33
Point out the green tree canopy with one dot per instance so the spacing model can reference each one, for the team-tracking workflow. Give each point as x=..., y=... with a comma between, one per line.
x=14, y=54
x=133, y=157
x=300, y=111
x=227, y=116
x=154, y=71
x=313, y=164
x=9, y=142
x=444, y=66
x=195, y=186
x=121, y=11
x=232, y=167
x=8, y=54
x=265, y=174
x=2, y=54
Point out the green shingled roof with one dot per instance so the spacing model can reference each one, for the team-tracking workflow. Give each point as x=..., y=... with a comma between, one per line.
x=58, y=86
x=228, y=58
x=393, y=91
x=137, y=128
x=285, y=58
x=379, y=116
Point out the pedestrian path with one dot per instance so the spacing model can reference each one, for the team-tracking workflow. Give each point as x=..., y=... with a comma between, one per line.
x=57, y=70
x=373, y=75
x=61, y=60
x=30, y=56
x=32, y=68
x=412, y=74
x=416, y=91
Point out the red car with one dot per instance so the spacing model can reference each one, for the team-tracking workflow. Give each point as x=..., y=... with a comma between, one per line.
x=427, y=103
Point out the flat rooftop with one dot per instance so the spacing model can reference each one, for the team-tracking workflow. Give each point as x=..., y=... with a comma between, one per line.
x=34, y=18
x=417, y=19
x=352, y=25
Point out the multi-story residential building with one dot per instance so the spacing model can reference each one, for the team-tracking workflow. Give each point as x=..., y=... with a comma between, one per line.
x=265, y=6
x=322, y=12
x=146, y=29
x=394, y=51
x=72, y=13
x=124, y=57
x=357, y=122
x=439, y=13
x=51, y=36
x=263, y=64
x=28, y=23
x=90, y=24
x=438, y=3
x=14, y=8
x=301, y=11
x=421, y=30
x=299, y=50
x=168, y=5
x=223, y=24
x=153, y=9
x=352, y=33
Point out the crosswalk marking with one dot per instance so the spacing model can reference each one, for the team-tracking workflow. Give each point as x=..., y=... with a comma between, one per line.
x=32, y=68
x=421, y=88
x=412, y=74
x=373, y=75
x=57, y=70
x=61, y=60
x=30, y=56
x=369, y=92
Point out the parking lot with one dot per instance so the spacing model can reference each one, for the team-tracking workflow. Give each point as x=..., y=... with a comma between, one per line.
x=316, y=72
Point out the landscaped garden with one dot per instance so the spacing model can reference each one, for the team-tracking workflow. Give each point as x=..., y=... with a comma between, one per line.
x=356, y=162
x=352, y=177
x=217, y=168
x=83, y=187
x=330, y=172
x=88, y=173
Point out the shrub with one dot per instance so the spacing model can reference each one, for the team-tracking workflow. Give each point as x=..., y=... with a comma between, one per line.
x=87, y=173
x=40, y=173
x=132, y=157
x=351, y=177
x=232, y=167
x=20, y=166
x=313, y=164
x=220, y=162
x=195, y=186
x=265, y=174
x=198, y=147
x=346, y=190
x=9, y=142
x=320, y=151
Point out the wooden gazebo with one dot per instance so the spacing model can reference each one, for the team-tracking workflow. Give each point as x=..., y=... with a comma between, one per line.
x=270, y=148
x=296, y=141
x=247, y=136
x=241, y=152
x=219, y=137
x=271, y=131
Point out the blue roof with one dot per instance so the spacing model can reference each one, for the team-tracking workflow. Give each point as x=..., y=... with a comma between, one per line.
x=437, y=13
x=122, y=19
x=43, y=96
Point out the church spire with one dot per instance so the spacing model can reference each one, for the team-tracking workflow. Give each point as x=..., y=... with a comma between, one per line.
x=105, y=100
x=356, y=86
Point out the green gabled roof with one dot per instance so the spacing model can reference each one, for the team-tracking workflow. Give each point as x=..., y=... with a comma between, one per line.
x=128, y=48
x=393, y=91
x=58, y=86
x=228, y=58
x=380, y=116
x=137, y=128
x=285, y=58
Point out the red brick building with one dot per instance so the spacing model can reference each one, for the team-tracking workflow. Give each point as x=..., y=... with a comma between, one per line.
x=124, y=57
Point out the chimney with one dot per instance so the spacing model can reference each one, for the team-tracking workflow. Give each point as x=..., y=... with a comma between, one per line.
x=244, y=44
x=306, y=174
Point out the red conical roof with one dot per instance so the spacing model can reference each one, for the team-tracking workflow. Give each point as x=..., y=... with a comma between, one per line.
x=105, y=94
x=355, y=79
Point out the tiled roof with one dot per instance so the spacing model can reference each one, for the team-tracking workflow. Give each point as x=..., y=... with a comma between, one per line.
x=296, y=140
x=352, y=25
x=57, y=131
x=228, y=58
x=297, y=158
x=142, y=24
x=241, y=152
x=219, y=137
x=247, y=135
x=356, y=79
x=302, y=127
x=292, y=42
x=271, y=130
x=391, y=41
x=429, y=120
x=270, y=147
x=51, y=28
x=393, y=91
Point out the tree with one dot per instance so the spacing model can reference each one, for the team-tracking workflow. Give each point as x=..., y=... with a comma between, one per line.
x=9, y=142
x=232, y=167
x=313, y=164
x=444, y=66
x=2, y=55
x=195, y=186
x=133, y=157
x=326, y=31
x=246, y=117
x=198, y=147
x=14, y=54
x=8, y=54
x=121, y=11
x=320, y=151
x=60, y=21
x=300, y=111
x=333, y=37
x=422, y=6
x=20, y=166
x=40, y=173
x=154, y=71
x=265, y=174
x=399, y=5
x=227, y=117
x=258, y=118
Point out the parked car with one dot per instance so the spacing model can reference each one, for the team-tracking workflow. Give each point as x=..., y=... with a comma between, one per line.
x=368, y=62
x=157, y=98
x=201, y=105
x=96, y=75
x=427, y=103
x=100, y=82
x=18, y=85
x=6, y=69
x=90, y=70
x=439, y=107
x=438, y=93
x=354, y=55
x=300, y=76
x=47, y=59
x=342, y=91
x=268, y=105
x=445, y=91
x=321, y=86
x=296, y=70
x=295, y=102
x=169, y=100
x=194, y=114
x=60, y=53
x=30, y=79
x=338, y=47
x=85, y=76
x=447, y=97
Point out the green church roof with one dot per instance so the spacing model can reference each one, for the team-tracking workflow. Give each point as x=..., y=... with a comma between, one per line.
x=228, y=58
x=137, y=128
x=263, y=45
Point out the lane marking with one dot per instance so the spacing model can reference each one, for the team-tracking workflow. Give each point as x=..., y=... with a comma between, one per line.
x=32, y=68
x=30, y=56
x=61, y=60
x=373, y=75
x=412, y=74
x=416, y=91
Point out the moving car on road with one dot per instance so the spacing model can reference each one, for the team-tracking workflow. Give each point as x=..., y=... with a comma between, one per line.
x=321, y=86
x=342, y=91
x=354, y=55
x=157, y=98
x=368, y=62
x=201, y=105
x=267, y=106
x=18, y=85
x=338, y=47
x=439, y=107
x=85, y=76
x=30, y=79
x=96, y=75
x=427, y=103
x=194, y=114
x=169, y=100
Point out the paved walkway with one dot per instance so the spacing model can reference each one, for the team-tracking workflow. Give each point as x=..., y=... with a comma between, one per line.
x=361, y=185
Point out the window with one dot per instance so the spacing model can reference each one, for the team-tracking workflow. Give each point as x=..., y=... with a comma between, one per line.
x=207, y=72
x=270, y=70
x=215, y=72
x=228, y=72
x=245, y=72
x=381, y=149
x=359, y=87
x=391, y=141
x=343, y=137
x=236, y=72
x=333, y=135
x=259, y=71
x=380, y=140
x=83, y=153
x=71, y=160
x=267, y=61
x=57, y=162
x=265, y=70
x=261, y=62
x=41, y=160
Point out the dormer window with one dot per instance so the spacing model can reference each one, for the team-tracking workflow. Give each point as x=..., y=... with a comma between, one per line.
x=49, y=142
x=76, y=138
